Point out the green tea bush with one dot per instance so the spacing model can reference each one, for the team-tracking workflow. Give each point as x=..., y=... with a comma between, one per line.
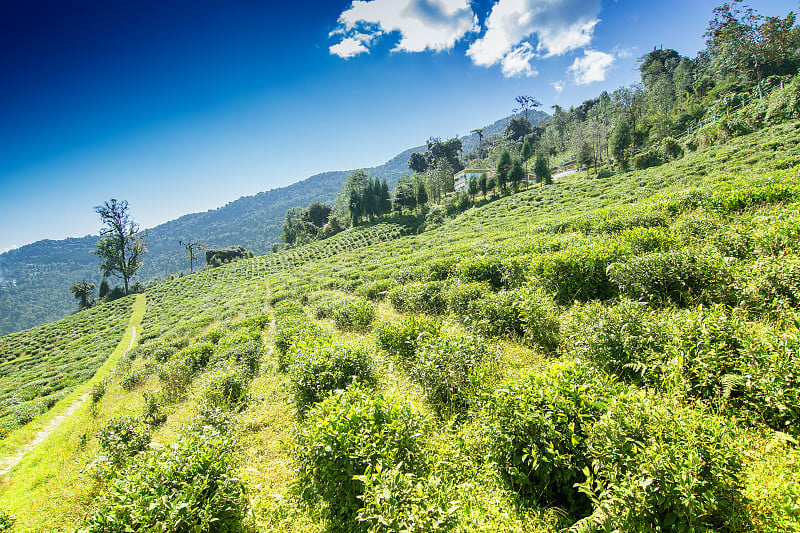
x=176, y=375
x=197, y=355
x=152, y=412
x=317, y=373
x=709, y=342
x=647, y=240
x=345, y=436
x=188, y=486
x=772, y=286
x=7, y=520
x=419, y=297
x=401, y=339
x=659, y=465
x=324, y=304
x=395, y=500
x=122, y=438
x=460, y=296
x=579, y=273
x=98, y=390
x=497, y=271
x=354, y=314
x=535, y=432
x=671, y=149
x=626, y=339
x=452, y=371
x=226, y=387
x=375, y=290
x=135, y=377
x=678, y=277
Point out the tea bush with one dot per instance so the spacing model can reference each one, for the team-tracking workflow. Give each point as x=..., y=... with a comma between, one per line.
x=772, y=286
x=343, y=437
x=452, y=371
x=535, y=431
x=395, y=500
x=121, y=438
x=660, y=465
x=497, y=271
x=678, y=277
x=375, y=290
x=627, y=339
x=460, y=296
x=354, y=314
x=188, y=486
x=7, y=520
x=226, y=387
x=152, y=413
x=419, y=297
x=316, y=373
x=402, y=339
x=98, y=390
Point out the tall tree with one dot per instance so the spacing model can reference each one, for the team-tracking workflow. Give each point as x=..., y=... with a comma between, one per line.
x=386, y=200
x=541, y=169
x=517, y=174
x=526, y=103
x=83, y=292
x=503, y=166
x=621, y=140
x=422, y=195
x=191, y=248
x=417, y=162
x=745, y=41
x=317, y=213
x=518, y=128
x=121, y=246
x=473, y=187
x=483, y=183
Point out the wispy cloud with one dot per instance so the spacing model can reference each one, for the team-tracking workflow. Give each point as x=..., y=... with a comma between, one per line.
x=517, y=63
x=592, y=67
x=422, y=25
x=558, y=86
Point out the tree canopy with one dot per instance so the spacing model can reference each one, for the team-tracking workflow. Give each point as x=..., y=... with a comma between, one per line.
x=121, y=246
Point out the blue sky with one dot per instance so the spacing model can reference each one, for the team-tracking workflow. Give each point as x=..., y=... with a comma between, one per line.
x=183, y=106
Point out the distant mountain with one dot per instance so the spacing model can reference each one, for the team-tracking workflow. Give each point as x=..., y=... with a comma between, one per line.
x=35, y=279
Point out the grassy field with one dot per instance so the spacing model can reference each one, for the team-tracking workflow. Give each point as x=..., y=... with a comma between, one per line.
x=597, y=354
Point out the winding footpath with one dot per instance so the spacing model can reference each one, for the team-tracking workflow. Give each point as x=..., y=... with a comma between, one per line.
x=7, y=463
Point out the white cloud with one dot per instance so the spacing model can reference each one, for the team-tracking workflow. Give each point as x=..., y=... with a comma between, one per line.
x=558, y=86
x=517, y=63
x=348, y=48
x=559, y=26
x=422, y=24
x=592, y=67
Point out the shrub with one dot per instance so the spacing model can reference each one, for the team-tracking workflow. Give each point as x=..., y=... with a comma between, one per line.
x=452, y=370
x=496, y=271
x=375, y=290
x=460, y=296
x=647, y=240
x=626, y=339
x=772, y=286
x=535, y=432
x=248, y=355
x=662, y=466
x=345, y=436
x=197, y=356
x=678, y=277
x=187, y=486
x=419, y=297
x=647, y=159
x=395, y=500
x=121, y=438
x=98, y=390
x=316, y=373
x=7, y=520
x=152, y=414
x=538, y=316
x=354, y=314
x=226, y=387
x=402, y=339
x=579, y=273
x=671, y=149
x=135, y=377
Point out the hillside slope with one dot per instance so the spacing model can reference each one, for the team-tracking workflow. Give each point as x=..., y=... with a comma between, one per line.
x=638, y=330
x=34, y=279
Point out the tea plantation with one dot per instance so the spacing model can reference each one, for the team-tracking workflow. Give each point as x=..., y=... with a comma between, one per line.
x=613, y=354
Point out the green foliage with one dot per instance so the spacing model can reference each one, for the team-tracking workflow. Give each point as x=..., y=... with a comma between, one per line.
x=402, y=339
x=679, y=277
x=419, y=297
x=535, y=431
x=98, y=390
x=354, y=314
x=188, y=486
x=226, y=387
x=7, y=520
x=660, y=465
x=499, y=272
x=152, y=413
x=396, y=501
x=452, y=370
x=346, y=436
x=122, y=438
x=321, y=370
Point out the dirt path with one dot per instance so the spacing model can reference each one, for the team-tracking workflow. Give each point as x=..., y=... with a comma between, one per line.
x=7, y=463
